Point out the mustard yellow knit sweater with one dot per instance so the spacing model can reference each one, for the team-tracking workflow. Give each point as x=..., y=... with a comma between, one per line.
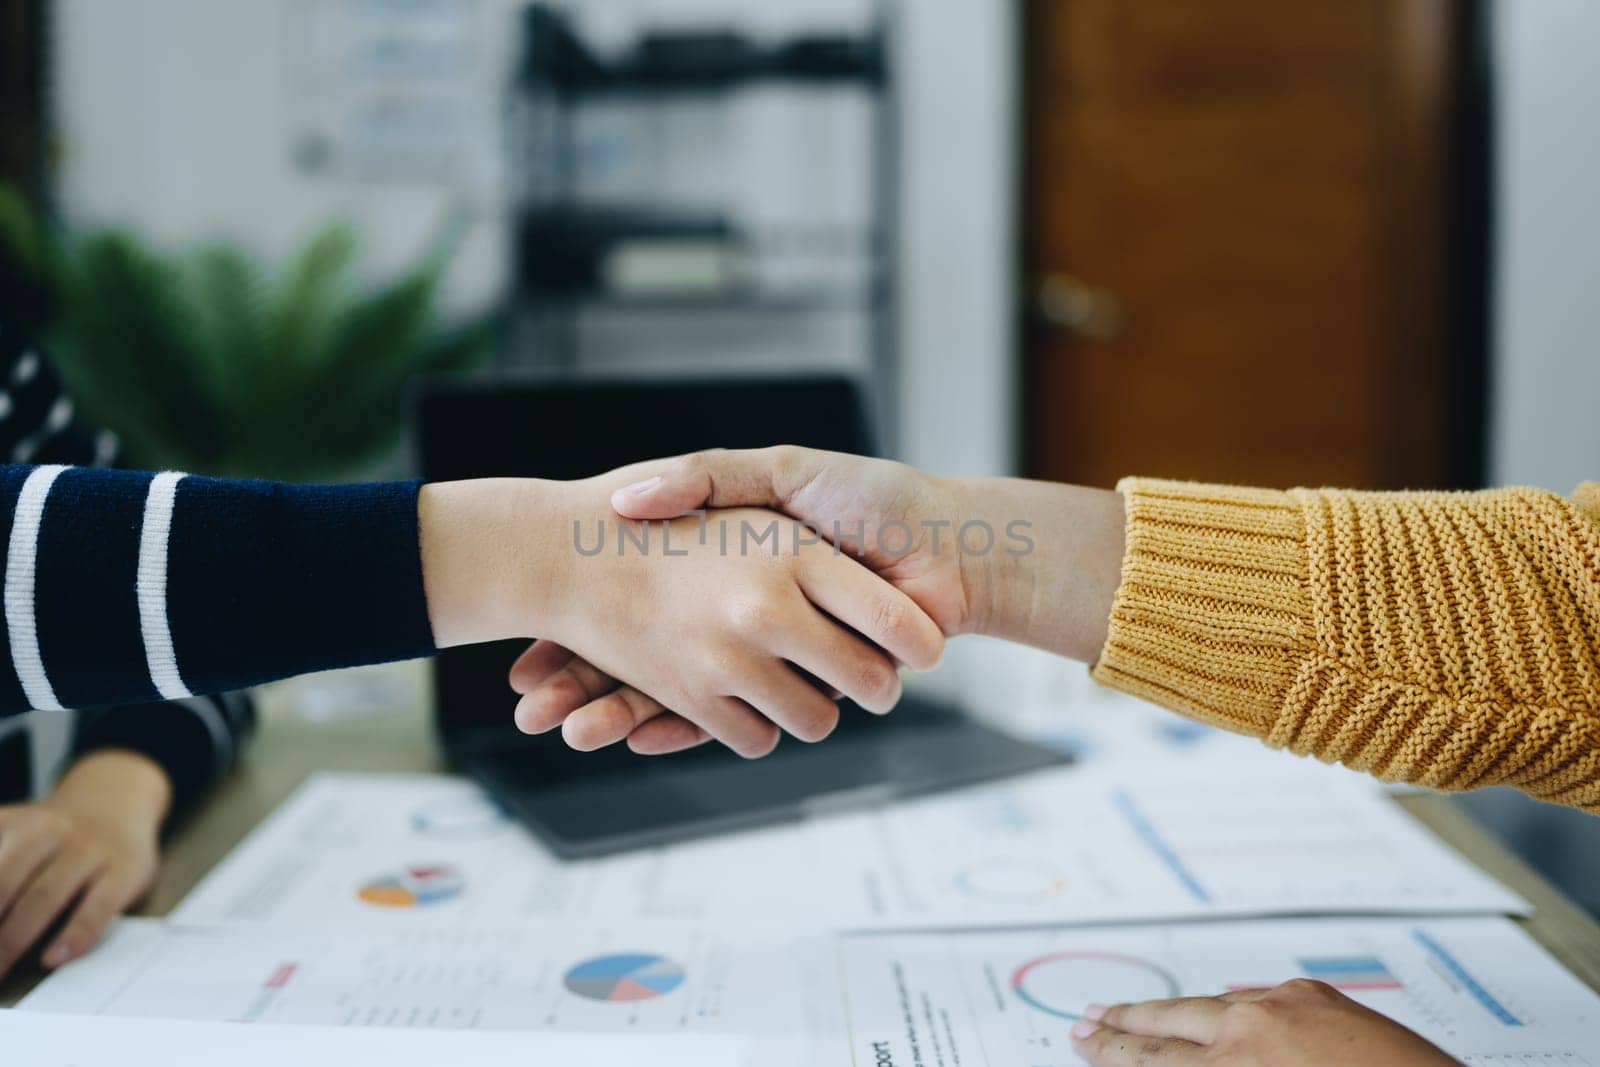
x=1446, y=639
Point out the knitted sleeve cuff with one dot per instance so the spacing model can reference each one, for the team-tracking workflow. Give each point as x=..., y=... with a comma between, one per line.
x=1212, y=612
x=1445, y=639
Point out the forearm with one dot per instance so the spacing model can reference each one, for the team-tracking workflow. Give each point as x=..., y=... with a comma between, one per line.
x=1446, y=639
x=490, y=550
x=1051, y=584
x=124, y=587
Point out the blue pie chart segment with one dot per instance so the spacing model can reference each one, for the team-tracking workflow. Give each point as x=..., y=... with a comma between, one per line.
x=625, y=977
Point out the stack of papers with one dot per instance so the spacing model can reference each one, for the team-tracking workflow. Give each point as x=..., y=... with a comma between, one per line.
x=1059, y=846
x=968, y=928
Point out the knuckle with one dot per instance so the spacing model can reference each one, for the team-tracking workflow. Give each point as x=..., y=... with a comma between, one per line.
x=1115, y=1016
x=693, y=465
x=784, y=461
x=1307, y=988
x=752, y=615
x=818, y=721
x=876, y=680
x=890, y=618
x=761, y=742
x=639, y=706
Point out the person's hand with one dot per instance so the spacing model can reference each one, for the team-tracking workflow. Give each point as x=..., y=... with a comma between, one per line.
x=740, y=624
x=898, y=519
x=1301, y=1023
x=79, y=857
x=717, y=633
x=964, y=550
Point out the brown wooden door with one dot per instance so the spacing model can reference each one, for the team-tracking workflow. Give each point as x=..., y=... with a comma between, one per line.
x=1239, y=241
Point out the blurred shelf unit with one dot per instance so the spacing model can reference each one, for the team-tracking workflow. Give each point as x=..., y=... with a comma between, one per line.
x=664, y=62
x=585, y=252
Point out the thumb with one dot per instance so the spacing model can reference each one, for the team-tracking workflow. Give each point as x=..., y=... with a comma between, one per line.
x=719, y=478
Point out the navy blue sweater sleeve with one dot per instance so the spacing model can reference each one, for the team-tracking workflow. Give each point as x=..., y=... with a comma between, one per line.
x=124, y=587
x=196, y=741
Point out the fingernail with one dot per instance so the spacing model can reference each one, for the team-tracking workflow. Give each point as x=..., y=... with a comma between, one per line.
x=1095, y=1012
x=59, y=953
x=1083, y=1028
x=641, y=488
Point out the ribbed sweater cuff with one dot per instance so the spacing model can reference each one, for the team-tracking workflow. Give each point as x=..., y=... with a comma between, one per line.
x=1212, y=612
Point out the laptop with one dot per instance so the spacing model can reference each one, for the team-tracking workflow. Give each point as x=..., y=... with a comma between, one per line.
x=591, y=804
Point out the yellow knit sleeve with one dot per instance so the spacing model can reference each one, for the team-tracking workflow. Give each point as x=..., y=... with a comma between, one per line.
x=1446, y=639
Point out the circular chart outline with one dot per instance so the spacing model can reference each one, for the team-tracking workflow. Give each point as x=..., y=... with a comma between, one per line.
x=1021, y=973
x=965, y=882
x=635, y=962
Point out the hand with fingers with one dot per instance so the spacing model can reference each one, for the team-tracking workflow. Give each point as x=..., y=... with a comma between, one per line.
x=954, y=548
x=855, y=501
x=743, y=641
x=77, y=859
x=740, y=620
x=1300, y=1023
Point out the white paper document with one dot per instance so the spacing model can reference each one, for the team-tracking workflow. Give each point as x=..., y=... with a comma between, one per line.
x=1088, y=845
x=664, y=979
x=410, y=852
x=1477, y=987
x=33, y=1039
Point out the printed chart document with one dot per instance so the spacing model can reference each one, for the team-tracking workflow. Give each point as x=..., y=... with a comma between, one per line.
x=1086, y=845
x=406, y=851
x=409, y=852
x=47, y=1040
x=665, y=979
x=1477, y=987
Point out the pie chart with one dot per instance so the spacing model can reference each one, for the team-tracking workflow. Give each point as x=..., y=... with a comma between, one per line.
x=1019, y=880
x=625, y=977
x=416, y=886
x=1064, y=983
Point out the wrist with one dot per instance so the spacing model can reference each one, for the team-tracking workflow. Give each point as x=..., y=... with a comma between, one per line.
x=115, y=782
x=989, y=582
x=490, y=557
x=1054, y=572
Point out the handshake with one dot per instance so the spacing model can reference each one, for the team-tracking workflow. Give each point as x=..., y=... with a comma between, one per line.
x=736, y=595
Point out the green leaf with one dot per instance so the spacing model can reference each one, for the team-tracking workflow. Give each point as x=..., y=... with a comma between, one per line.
x=131, y=355
x=22, y=235
x=307, y=300
x=202, y=361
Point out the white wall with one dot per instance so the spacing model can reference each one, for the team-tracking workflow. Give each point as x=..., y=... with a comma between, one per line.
x=1546, y=400
x=962, y=68
x=174, y=116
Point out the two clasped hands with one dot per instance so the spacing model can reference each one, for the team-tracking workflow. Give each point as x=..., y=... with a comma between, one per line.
x=732, y=596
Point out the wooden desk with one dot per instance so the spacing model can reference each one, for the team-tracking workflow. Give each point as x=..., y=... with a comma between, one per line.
x=290, y=748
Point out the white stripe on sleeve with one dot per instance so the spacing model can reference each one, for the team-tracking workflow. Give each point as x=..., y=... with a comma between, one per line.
x=152, y=587
x=22, y=558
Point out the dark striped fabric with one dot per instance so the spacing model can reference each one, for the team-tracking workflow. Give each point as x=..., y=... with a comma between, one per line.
x=201, y=584
x=196, y=741
x=146, y=597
